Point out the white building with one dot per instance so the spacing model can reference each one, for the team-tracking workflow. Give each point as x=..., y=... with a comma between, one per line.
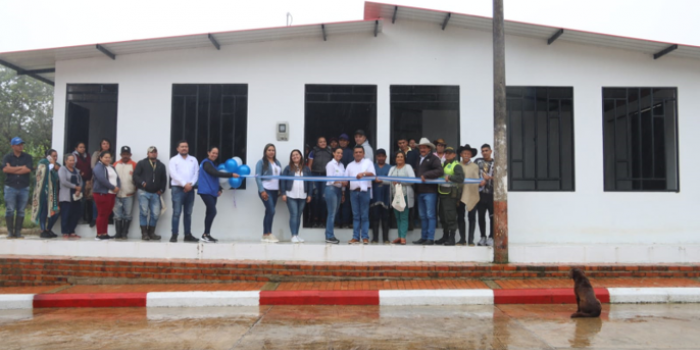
x=607, y=159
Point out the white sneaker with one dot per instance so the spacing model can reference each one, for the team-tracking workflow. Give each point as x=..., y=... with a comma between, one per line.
x=271, y=239
x=482, y=242
x=489, y=242
x=297, y=239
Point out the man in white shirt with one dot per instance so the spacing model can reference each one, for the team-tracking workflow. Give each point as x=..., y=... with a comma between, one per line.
x=184, y=172
x=359, y=194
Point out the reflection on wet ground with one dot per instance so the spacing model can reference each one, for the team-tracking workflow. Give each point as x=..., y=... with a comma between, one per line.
x=663, y=326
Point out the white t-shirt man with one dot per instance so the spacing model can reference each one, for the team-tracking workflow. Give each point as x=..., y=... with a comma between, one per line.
x=354, y=168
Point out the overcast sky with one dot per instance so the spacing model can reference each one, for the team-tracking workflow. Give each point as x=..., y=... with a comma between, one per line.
x=33, y=24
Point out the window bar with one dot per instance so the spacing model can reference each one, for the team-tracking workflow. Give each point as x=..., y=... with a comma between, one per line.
x=184, y=118
x=639, y=132
x=233, y=131
x=547, y=119
x=523, y=144
x=208, y=118
x=628, y=133
x=221, y=125
x=559, y=172
x=653, y=135
x=534, y=114
x=196, y=121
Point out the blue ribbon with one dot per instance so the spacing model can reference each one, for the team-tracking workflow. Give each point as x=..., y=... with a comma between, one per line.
x=402, y=179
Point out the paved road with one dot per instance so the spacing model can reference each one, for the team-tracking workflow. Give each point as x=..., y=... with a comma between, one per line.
x=334, y=327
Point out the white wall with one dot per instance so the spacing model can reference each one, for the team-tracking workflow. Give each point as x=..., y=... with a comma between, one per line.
x=416, y=53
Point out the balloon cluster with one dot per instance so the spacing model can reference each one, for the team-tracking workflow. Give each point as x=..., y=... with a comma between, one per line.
x=234, y=165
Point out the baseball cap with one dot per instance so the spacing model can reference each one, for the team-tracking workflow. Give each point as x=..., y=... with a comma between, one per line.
x=449, y=149
x=152, y=149
x=360, y=132
x=344, y=137
x=125, y=149
x=380, y=151
x=16, y=141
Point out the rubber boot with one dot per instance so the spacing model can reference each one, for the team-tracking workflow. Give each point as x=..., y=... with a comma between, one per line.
x=190, y=238
x=385, y=232
x=152, y=233
x=18, y=226
x=451, y=238
x=472, y=227
x=375, y=231
x=445, y=236
x=125, y=229
x=10, y=221
x=118, y=229
x=144, y=233
x=462, y=233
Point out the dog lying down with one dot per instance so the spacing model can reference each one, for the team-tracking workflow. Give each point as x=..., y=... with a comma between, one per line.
x=588, y=304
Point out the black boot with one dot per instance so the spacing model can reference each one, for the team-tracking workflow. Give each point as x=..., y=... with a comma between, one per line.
x=144, y=233
x=375, y=231
x=18, y=226
x=462, y=233
x=173, y=238
x=125, y=229
x=472, y=227
x=445, y=236
x=152, y=233
x=451, y=238
x=190, y=238
x=10, y=222
x=385, y=232
x=118, y=229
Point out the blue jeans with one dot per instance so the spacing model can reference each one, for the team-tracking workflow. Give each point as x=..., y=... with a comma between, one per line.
x=16, y=201
x=123, y=207
x=319, y=203
x=269, y=204
x=426, y=209
x=43, y=218
x=333, y=195
x=296, y=208
x=360, y=214
x=210, y=203
x=70, y=214
x=148, y=202
x=182, y=199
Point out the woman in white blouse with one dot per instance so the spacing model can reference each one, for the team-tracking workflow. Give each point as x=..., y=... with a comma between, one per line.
x=295, y=192
x=334, y=193
x=268, y=189
x=402, y=169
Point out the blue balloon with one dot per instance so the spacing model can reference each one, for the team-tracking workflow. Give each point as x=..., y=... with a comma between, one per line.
x=231, y=166
x=235, y=182
x=244, y=170
x=221, y=167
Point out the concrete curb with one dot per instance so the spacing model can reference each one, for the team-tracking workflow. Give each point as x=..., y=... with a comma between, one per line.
x=358, y=297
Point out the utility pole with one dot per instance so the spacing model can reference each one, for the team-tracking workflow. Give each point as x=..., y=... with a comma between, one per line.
x=500, y=171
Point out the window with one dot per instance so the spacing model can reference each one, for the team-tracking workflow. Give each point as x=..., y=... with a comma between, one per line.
x=640, y=144
x=424, y=111
x=331, y=110
x=91, y=115
x=210, y=115
x=540, y=138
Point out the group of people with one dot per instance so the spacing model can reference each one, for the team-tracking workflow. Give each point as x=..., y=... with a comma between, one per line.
x=86, y=183
x=371, y=201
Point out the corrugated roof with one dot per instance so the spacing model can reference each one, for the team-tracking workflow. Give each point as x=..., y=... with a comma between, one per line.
x=537, y=31
x=30, y=60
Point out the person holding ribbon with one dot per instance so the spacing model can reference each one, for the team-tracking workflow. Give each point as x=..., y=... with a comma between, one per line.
x=334, y=192
x=360, y=194
x=485, y=204
x=402, y=169
x=429, y=168
x=450, y=193
x=209, y=190
x=296, y=193
x=470, y=196
x=268, y=189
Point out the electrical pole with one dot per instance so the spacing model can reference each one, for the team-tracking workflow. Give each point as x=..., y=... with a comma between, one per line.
x=500, y=173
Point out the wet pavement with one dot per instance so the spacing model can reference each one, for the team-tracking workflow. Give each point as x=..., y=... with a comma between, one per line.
x=658, y=326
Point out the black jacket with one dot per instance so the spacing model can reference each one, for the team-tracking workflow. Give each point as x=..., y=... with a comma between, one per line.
x=431, y=169
x=154, y=180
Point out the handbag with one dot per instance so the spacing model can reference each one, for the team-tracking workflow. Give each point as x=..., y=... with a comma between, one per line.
x=398, y=203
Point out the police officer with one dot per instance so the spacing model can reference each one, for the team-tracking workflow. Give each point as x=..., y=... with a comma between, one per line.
x=449, y=195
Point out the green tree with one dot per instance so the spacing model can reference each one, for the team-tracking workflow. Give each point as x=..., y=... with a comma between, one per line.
x=26, y=110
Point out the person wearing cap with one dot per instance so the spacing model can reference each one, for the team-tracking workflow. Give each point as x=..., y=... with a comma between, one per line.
x=450, y=193
x=485, y=164
x=124, y=202
x=318, y=158
x=344, y=217
x=184, y=173
x=151, y=180
x=17, y=165
x=429, y=168
x=470, y=195
x=359, y=194
x=440, y=145
x=381, y=200
x=361, y=140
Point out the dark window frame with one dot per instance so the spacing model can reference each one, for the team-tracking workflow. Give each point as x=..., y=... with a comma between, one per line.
x=89, y=93
x=235, y=94
x=629, y=158
x=550, y=90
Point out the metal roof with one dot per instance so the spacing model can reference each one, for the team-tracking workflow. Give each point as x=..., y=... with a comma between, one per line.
x=397, y=13
x=33, y=62
x=41, y=63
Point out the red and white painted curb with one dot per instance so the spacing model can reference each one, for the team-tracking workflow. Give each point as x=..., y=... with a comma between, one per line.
x=381, y=297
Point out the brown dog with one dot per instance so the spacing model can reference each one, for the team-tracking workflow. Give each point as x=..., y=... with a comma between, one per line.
x=588, y=304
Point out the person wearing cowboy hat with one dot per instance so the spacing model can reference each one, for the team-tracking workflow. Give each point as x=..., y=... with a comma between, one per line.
x=429, y=168
x=440, y=145
x=449, y=194
x=470, y=195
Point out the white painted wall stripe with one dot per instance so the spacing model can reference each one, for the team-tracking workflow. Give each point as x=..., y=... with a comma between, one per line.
x=436, y=297
x=16, y=301
x=200, y=299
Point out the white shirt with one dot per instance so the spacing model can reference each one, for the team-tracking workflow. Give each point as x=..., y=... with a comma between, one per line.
x=334, y=168
x=273, y=184
x=354, y=168
x=183, y=171
x=112, y=177
x=297, y=191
